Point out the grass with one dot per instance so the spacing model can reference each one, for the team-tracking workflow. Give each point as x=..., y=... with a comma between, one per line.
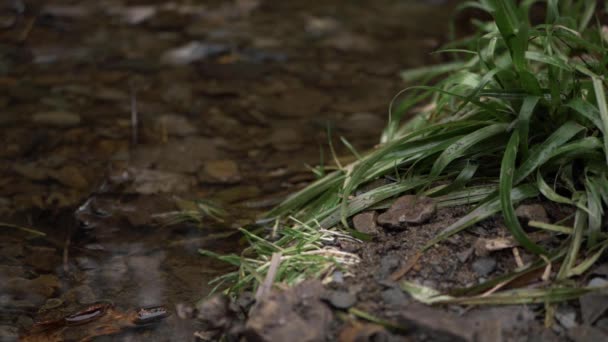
x=520, y=113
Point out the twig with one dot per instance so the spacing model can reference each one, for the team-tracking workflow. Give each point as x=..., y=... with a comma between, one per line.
x=265, y=287
x=134, y=116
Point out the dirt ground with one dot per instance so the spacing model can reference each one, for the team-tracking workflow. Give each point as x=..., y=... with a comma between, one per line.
x=116, y=114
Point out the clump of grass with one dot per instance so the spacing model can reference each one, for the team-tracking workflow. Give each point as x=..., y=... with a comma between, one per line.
x=520, y=113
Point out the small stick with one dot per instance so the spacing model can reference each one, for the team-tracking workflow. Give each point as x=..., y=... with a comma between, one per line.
x=517, y=256
x=265, y=287
x=66, y=253
x=398, y=274
x=134, y=116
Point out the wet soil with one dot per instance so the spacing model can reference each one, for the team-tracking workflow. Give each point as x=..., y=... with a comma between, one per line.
x=116, y=114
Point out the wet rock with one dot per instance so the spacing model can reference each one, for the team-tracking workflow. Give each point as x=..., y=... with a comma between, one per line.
x=236, y=194
x=192, y=52
x=82, y=294
x=593, y=305
x=296, y=314
x=42, y=259
x=174, y=125
x=286, y=139
x=154, y=181
x=42, y=287
x=484, y=266
x=348, y=41
x=220, y=171
x=319, y=27
x=56, y=119
x=70, y=176
x=602, y=324
x=9, y=333
x=7, y=271
x=362, y=124
x=31, y=171
x=585, y=333
x=408, y=209
x=51, y=303
x=299, y=102
x=366, y=222
x=532, y=212
x=340, y=299
x=186, y=155
x=24, y=323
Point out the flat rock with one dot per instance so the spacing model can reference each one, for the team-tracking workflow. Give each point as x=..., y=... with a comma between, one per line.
x=299, y=102
x=286, y=139
x=187, y=155
x=44, y=286
x=340, y=299
x=366, y=222
x=296, y=314
x=408, y=209
x=532, y=212
x=57, y=119
x=43, y=259
x=484, y=266
x=153, y=181
x=222, y=171
x=174, y=125
x=70, y=176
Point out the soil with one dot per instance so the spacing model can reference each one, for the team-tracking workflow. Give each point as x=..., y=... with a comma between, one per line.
x=116, y=115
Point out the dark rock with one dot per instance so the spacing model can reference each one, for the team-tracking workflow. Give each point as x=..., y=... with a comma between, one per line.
x=395, y=297
x=408, y=209
x=174, y=125
x=340, y=299
x=484, y=266
x=8, y=333
x=296, y=314
x=366, y=222
x=215, y=312
x=43, y=259
x=82, y=294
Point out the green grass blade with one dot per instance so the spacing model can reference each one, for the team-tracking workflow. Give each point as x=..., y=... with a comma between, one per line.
x=507, y=170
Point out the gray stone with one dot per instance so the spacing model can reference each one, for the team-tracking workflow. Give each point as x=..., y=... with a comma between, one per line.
x=395, y=297
x=532, y=212
x=484, y=266
x=340, y=299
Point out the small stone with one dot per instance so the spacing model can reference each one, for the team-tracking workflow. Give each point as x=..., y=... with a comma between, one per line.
x=24, y=323
x=82, y=294
x=175, y=125
x=484, y=266
x=43, y=259
x=388, y=264
x=566, y=316
x=340, y=299
x=70, y=176
x=57, y=119
x=52, y=303
x=221, y=171
x=395, y=297
x=532, y=212
x=408, y=209
x=286, y=139
x=366, y=222
x=9, y=333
